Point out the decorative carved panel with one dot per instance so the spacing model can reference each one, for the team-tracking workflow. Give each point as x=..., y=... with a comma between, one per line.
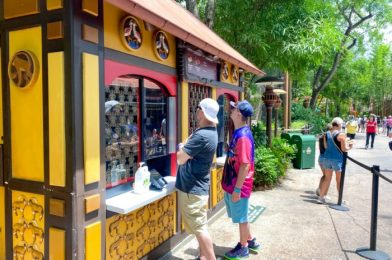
x=134, y=235
x=28, y=226
x=196, y=94
x=219, y=191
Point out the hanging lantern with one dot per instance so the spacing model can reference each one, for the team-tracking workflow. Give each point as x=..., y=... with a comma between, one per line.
x=269, y=97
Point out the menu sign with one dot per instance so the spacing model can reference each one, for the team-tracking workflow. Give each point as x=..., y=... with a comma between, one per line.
x=197, y=65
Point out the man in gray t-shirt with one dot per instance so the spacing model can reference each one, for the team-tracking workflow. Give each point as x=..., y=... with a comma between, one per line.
x=193, y=177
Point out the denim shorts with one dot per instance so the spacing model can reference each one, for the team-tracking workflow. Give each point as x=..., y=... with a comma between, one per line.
x=321, y=161
x=335, y=165
x=238, y=211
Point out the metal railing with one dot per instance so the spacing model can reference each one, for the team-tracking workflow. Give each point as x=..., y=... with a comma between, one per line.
x=368, y=252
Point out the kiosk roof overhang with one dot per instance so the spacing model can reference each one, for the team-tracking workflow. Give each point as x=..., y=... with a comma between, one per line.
x=173, y=18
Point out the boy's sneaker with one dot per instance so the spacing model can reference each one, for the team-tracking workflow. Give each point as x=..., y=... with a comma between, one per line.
x=253, y=245
x=238, y=252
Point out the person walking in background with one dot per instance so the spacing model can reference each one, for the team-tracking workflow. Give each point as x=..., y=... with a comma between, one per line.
x=359, y=123
x=333, y=157
x=389, y=125
x=371, y=130
x=322, y=146
x=237, y=181
x=384, y=125
x=351, y=127
x=194, y=158
x=363, y=124
x=379, y=124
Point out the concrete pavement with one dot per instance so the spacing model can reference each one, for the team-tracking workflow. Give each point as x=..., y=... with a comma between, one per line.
x=293, y=226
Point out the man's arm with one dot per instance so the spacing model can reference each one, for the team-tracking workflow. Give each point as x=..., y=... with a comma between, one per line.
x=182, y=156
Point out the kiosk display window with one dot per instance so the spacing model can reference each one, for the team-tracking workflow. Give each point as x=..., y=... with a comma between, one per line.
x=225, y=126
x=121, y=130
x=155, y=127
x=136, y=128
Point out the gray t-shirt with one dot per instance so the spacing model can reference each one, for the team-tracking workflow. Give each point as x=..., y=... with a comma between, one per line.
x=194, y=176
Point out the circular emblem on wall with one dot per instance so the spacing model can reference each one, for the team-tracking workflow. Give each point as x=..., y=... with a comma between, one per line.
x=23, y=69
x=161, y=44
x=131, y=33
x=234, y=73
x=225, y=71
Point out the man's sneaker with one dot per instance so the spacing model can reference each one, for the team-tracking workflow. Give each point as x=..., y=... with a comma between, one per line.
x=238, y=252
x=253, y=245
x=321, y=200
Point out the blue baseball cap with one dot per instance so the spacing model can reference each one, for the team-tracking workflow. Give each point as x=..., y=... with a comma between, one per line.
x=244, y=107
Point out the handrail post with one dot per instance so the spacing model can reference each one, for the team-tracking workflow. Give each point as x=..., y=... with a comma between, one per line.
x=372, y=253
x=339, y=206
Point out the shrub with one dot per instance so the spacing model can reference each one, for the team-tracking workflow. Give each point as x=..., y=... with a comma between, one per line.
x=266, y=170
x=259, y=134
x=284, y=152
x=315, y=120
x=272, y=163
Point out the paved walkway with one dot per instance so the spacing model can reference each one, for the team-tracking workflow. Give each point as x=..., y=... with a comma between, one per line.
x=293, y=226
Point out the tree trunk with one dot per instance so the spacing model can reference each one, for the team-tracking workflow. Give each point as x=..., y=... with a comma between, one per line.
x=210, y=13
x=191, y=6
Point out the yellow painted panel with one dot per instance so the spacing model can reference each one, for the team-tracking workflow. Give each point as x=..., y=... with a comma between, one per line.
x=185, y=110
x=2, y=224
x=1, y=105
x=93, y=241
x=28, y=224
x=214, y=196
x=90, y=6
x=91, y=118
x=26, y=112
x=56, y=244
x=56, y=119
x=16, y=8
x=213, y=93
x=54, y=4
x=219, y=190
x=112, y=25
x=55, y=30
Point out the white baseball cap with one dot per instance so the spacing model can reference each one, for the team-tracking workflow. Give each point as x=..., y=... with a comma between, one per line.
x=210, y=109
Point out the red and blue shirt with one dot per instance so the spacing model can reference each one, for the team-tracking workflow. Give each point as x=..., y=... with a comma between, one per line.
x=241, y=151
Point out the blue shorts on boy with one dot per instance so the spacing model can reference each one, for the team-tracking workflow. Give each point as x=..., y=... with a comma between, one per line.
x=237, y=211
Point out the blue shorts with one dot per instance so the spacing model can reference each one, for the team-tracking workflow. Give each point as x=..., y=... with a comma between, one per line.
x=238, y=212
x=335, y=165
x=321, y=161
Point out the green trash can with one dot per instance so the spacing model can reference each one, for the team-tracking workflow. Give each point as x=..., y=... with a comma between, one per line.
x=306, y=151
x=288, y=136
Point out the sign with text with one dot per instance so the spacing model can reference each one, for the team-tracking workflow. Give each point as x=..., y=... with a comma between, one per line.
x=198, y=65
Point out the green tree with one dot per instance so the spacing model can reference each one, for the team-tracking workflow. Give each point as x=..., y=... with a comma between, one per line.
x=381, y=77
x=354, y=20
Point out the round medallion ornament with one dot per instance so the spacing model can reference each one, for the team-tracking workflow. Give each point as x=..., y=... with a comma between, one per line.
x=161, y=44
x=23, y=69
x=131, y=33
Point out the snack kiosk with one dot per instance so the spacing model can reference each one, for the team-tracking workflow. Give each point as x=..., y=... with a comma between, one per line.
x=90, y=89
